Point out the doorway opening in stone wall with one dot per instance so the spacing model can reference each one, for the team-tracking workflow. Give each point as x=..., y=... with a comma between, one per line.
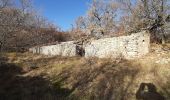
x=80, y=51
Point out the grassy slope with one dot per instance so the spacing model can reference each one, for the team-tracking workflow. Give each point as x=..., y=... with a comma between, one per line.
x=36, y=77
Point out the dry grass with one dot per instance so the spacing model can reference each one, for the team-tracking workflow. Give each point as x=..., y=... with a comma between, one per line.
x=27, y=76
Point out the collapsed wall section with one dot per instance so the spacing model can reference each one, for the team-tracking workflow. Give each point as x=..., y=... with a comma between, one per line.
x=129, y=47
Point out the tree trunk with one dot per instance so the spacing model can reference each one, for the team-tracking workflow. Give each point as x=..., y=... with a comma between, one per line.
x=162, y=22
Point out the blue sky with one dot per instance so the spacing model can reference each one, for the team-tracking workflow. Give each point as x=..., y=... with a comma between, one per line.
x=62, y=12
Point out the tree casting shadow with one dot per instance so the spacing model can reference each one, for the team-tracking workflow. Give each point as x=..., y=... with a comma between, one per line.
x=100, y=82
x=14, y=86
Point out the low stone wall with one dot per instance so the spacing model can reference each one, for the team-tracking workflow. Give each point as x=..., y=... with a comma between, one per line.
x=129, y=47
x=62, y=49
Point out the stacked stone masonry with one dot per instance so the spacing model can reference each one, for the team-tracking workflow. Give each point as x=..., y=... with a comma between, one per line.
x=62, y=49
x=129, y=47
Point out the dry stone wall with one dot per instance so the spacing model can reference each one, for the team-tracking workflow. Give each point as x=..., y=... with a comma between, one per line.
x=129, y=47
x=62, y=49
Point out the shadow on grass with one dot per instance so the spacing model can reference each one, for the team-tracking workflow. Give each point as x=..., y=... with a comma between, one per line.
x=100, y=82
x=166, y=89
x=148, y=91
x=14, y=86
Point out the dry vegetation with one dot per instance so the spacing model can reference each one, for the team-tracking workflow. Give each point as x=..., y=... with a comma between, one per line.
x=25, y=76
x=21, y=27
x=35, y=77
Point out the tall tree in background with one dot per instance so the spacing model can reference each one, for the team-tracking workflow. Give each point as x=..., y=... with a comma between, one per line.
x=126, y=16
x=100, y=18
x=146, y=14
x=21, y=26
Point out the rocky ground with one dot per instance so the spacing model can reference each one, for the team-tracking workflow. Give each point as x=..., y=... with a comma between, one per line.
x=25, y=76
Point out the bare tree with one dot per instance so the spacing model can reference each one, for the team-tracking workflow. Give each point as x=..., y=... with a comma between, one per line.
x=100, y=18
x=21, y=26
x=5, y=3
x=146, y=14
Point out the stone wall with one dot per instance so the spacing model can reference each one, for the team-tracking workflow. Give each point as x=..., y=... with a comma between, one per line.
x=62, y=49
x=129, y=47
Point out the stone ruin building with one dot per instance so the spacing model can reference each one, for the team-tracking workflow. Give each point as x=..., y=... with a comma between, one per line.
x=128, y=47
